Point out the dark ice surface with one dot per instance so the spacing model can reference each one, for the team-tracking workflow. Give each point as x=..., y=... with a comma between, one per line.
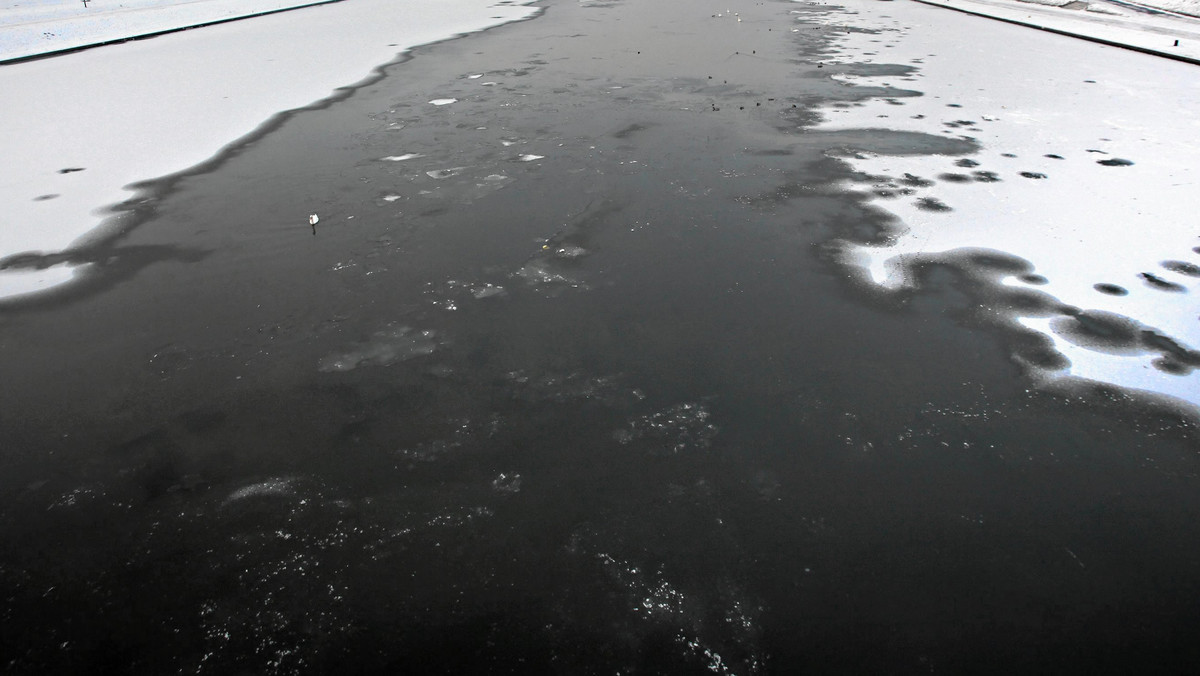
x=616, y=408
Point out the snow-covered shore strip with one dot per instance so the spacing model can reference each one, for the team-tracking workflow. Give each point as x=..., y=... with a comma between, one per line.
x=1185, y=7
x=1106, y=213
x=83, y=126
x=1108, y=22
x=31, y=28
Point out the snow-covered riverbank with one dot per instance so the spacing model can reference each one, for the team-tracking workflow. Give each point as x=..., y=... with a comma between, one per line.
x=84, y=126
x=30, y=28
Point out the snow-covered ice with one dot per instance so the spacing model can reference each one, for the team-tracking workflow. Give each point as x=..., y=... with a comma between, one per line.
x=1111, y=21
x=1103, y=236
x=91, y=123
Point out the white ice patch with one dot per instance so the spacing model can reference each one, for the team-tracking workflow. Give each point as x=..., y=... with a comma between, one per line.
x=1062, y=201
x=443, y=102
x=401, y=158
x=530, y=158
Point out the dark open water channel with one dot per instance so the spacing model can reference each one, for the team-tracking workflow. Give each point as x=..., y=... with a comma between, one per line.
x=610, y=410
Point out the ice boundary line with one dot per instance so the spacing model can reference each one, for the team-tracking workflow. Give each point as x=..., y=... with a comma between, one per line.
x=154, y=34
x=1070, y=34
x=121, y=218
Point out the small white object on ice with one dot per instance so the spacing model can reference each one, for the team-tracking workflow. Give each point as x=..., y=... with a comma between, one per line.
x=443, y=102
x=530, y=158
x=313, y=218
x=445, y=173
x=475, y=77
x=401, y=158
x=391, y=198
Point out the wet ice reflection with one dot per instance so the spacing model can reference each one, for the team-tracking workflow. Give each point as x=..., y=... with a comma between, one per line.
x=384, y=348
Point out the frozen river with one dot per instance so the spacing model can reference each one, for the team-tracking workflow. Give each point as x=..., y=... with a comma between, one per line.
x=561, y=348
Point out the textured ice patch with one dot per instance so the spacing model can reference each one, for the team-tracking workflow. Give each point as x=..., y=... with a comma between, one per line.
x=277, y=487
x=383, y=349
x=445, y=173
x=677, y=429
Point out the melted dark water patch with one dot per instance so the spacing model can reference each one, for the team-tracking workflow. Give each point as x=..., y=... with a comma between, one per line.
x=1156, y=282
x=1116, y=334
x=1182, y=267
x=888, y=142
x=932, y=204
x=954, y=178
x=1111, y=289
x=1103, y=331
x=916, y=181
x=1115, y=162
